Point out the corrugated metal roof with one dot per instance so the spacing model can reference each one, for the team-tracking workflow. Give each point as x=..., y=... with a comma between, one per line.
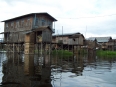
x=31, y=14
x=100, y=39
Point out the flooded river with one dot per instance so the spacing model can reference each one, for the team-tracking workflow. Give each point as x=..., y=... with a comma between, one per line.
x=53, y=71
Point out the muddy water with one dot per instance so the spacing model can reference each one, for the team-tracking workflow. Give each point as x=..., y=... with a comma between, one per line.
x=53, y=71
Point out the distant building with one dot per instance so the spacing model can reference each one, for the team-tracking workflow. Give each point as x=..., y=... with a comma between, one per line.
x=112, y=45
x=70, y=39
x=102, y=41
x=16, y=28
x=92, y=44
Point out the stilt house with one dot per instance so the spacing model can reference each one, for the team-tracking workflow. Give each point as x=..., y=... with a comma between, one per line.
x=40, y=23
x=103, y=42
x=70, y=39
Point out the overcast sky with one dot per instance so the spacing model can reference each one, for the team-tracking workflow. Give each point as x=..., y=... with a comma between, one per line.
x=89, y=17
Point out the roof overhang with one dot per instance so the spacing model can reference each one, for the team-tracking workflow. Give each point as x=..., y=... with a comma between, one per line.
x=31, y=14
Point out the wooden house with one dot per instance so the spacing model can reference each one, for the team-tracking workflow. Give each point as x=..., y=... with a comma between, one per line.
x=76, y=39
x=16, y=28
x=112, y=45
x=102, y=41
x=91, y=44
x=70, y=39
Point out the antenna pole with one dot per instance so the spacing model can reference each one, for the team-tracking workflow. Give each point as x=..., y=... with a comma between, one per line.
x=85, y=31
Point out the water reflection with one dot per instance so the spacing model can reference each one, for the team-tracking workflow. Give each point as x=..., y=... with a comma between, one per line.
x=25, y=74
x=54, y=71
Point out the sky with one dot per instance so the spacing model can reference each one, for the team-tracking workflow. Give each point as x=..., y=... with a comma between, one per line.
x=92, y=18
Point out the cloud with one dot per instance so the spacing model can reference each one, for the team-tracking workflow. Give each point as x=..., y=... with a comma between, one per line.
x=73, y=15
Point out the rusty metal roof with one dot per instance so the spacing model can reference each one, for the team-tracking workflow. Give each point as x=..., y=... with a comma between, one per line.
x=31, y=14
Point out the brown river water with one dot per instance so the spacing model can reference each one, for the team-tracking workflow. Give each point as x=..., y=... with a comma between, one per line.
x=54, y=71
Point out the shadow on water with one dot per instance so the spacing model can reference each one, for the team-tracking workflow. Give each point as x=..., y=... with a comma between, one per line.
x=55, y=71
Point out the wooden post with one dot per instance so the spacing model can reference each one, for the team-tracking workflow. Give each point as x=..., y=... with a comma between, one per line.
x=13, y=52
x=29, y=54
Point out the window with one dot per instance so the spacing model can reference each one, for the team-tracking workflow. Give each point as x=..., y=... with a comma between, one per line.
x=36, y=21
x=28, y=22
x=43, y=22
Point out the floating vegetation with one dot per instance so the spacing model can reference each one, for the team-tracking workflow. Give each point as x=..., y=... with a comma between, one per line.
x=106, y=53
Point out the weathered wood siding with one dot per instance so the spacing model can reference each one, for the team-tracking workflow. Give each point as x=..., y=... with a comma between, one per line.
x=14, y=37
x=19, y=25
x=17, y=29
x=46, y=36
x=41, y=20
x=91, y=44
x=111, y=43
x=70, y=41
x=28, y=23
x=81, y=40
x=65, y=40
x=58, y=39
x=76, y=41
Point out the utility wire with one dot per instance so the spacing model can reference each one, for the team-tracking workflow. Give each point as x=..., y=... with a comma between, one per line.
x=88, y=17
